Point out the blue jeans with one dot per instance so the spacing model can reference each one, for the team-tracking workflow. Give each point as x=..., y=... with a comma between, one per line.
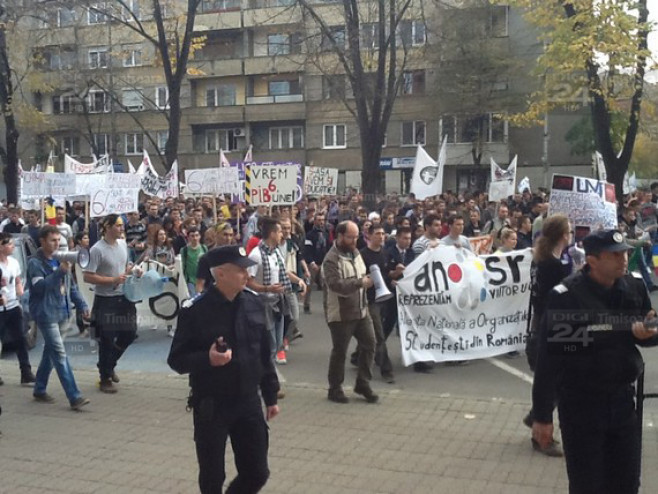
x=276, y=334
x=54, y=355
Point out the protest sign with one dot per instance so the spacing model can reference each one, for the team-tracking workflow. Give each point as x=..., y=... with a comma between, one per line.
x=161, y=187
x=212, y=181
x=587, y=202
x=97, y=166
x=502, y=181
x=116, y=193
x=274, y=184
x=454, y=305
x=320, y=181
x=43, y=184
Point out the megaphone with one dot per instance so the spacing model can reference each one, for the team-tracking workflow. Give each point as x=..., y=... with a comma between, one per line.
x=80, y=257
x=381, y=290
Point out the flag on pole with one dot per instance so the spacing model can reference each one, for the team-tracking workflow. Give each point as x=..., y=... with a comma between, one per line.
x=249, y=157
x=502, y=181
x=131, y=168
x=50, y=164
x=523, y=185
x=427, y=180
x=222, y=157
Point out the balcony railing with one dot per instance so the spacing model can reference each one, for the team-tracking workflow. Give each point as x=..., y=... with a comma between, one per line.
x=283, y=98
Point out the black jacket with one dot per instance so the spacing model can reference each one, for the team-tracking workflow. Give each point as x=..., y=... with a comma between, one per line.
x=242, y=324
x=586, y=347
x=316, y=246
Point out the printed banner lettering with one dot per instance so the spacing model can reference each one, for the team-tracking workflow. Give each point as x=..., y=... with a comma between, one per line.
x=589, y=203
x=320, y=181
x=454, y=305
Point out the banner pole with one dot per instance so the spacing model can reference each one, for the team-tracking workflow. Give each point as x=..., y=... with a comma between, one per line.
x=43, y=211
x=214, y=208
x=87, y=214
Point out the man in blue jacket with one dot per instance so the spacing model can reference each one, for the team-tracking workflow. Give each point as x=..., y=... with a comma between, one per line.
x=53, y=295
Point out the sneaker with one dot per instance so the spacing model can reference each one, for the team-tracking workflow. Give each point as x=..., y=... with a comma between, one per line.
x=553, y=450
x=43, y=398
x=27, y=378
x=114, y=377
x=286, y=345
x=337, y=396
x=281, y=358
x=307, y=310
x=107, y=386
x=366, y=392
x=79, y=403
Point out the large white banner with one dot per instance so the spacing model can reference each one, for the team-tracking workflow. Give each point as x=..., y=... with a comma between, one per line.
x=589, y=203
x=42, y=184
x=502, y=181
x=162, y=187
x=273, y=184
x=117, y=194
x=454, y=305
x=224, y=180
x=320, y=181
x=97, y=166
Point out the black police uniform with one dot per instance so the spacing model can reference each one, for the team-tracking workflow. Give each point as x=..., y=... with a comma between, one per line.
x=588, y=355
x=225, y=399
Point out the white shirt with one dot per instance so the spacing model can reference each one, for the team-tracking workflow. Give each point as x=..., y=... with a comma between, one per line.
x=256, y=271
x=11, y=270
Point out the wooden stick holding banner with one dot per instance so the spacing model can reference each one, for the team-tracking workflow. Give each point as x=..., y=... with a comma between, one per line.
x=214, y=209
x=87, y=214
x=43, y=212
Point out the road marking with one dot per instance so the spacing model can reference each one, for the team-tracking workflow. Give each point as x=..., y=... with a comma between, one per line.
x=511, y=370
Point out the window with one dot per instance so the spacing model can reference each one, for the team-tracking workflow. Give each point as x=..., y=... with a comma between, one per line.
x=132, y=56
x=334, y=136
x=283, y=88
x=286, y=137
x=162, y=97
x=337, y=34
x=369, y=36
x=95, y=14
x=413, y=82
x=132, y=99
x=63, y=104
x=98, y=58
x=161, y=138
x=412, y=33
x=333, y=87
x=99, y=101
x=499, y=21
x=102, y=143
x=447, y=124
x=219, y=5
x=217, y=139
x=60, y=58
x=134, y=144
x=132, y=12
x=413, y=133
x=283, y=44
x=487, y=127
x=222, y=95
x=70, y=146
x=498, y=128
x=65, y=17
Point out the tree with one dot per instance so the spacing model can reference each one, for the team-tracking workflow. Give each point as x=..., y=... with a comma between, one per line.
x=602, y=46
x=170, y=30
x=372, y=52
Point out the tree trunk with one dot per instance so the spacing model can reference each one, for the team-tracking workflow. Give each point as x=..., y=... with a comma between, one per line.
x=11, y=132
x=171, y=148
x=371, y=151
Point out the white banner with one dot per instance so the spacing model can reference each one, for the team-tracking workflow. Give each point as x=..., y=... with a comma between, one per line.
x=320, y=181
x=43, y=184
x=273, y=185
x=161, y=187
x=589, y=203
x=225, y=180
x=600, y=166
x=502, y=181
x=97, y=166
x=454, y=305
x=524, y=184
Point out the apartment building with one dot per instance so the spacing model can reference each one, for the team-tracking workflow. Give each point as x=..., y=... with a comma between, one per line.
x=255, y=78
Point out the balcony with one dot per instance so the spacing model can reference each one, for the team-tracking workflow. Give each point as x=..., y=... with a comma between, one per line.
x=227, y=19
x=207, y=115
x=216, y=68
x=283, y=98
x=274, y=64
x=272, y=16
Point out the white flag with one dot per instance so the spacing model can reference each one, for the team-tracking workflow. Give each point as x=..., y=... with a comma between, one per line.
x=249, y=157
x=131, y=168
x=427, y=180
x=523, y=185
x=502, y=181
x=632, y=182
x=600, y=166
x=222, y=158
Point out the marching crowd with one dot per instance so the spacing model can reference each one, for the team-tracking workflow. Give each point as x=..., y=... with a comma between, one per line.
x=283, y=253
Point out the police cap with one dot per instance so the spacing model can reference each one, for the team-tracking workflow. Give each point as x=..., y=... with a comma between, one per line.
x=604, y=241
x=233, y=254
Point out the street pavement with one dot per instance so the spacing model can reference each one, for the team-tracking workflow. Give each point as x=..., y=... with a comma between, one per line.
x=456, y=430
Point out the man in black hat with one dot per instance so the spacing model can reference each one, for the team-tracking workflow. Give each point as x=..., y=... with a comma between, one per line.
x=588, y=358
x=223, y=343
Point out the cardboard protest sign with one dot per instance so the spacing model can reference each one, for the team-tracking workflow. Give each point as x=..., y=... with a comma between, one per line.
x=161, y=187
x=587, y=202
x=42, y=184
x=118, y=193
x=454, y=305
x=320, y=181
x=274, y=184
x=214, y=181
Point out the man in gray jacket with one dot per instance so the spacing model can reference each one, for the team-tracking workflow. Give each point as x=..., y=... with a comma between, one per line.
x=346, y=311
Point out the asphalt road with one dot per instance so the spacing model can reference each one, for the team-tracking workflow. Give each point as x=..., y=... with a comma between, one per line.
x=500, y=377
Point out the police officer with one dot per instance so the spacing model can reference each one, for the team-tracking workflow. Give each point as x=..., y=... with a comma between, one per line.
x=587, y=353
x=223, y=343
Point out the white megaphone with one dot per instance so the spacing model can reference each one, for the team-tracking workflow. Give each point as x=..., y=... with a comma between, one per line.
x=381, y=290
x=80, y=257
